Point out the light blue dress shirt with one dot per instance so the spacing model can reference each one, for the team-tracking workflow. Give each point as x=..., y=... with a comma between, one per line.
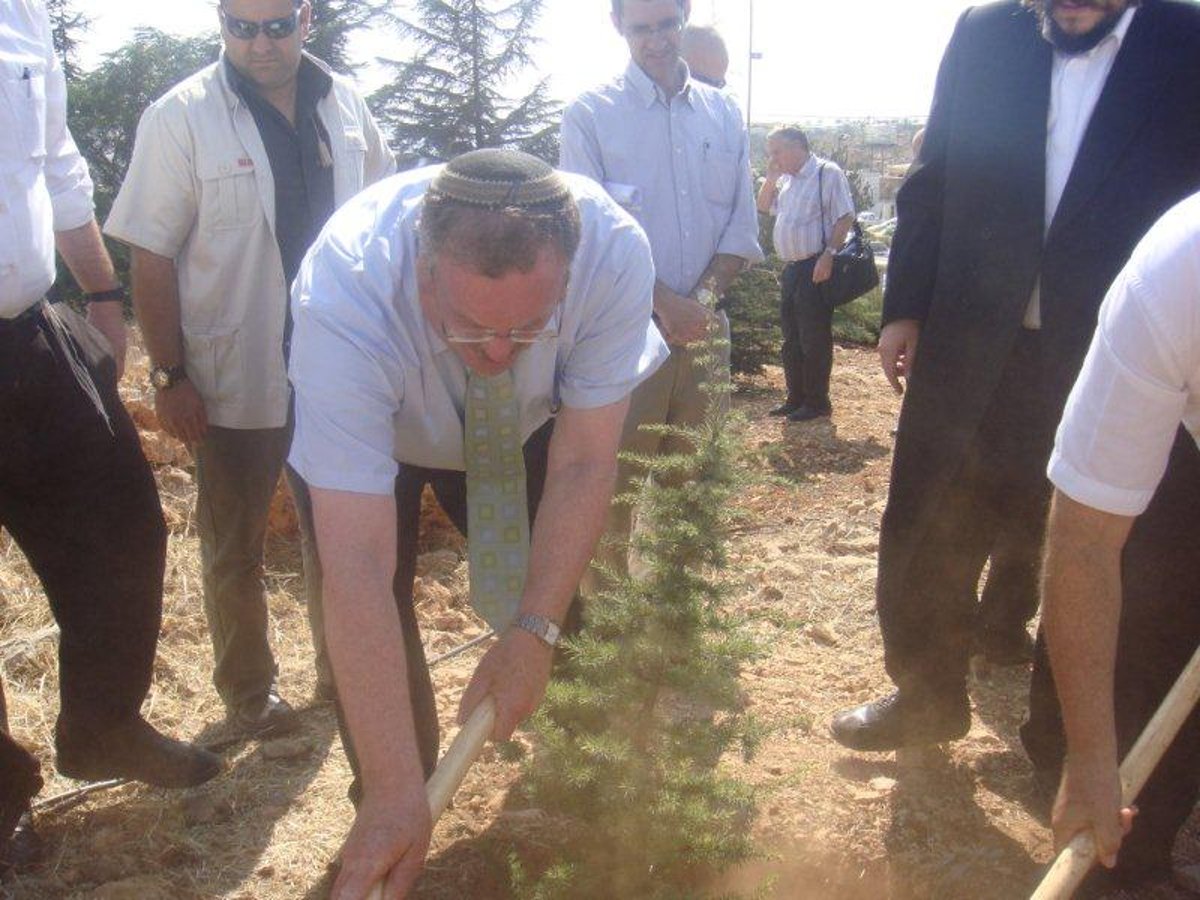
x=681, y=166
x=375, y=384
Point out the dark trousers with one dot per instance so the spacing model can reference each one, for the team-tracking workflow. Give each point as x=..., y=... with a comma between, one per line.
x=81, y=502
x=807, y=323
x=927, y=608
x=1009, y=598
x=450, y=489
x=1159, y=631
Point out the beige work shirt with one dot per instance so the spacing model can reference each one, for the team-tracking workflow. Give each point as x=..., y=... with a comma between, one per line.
x=199, y=190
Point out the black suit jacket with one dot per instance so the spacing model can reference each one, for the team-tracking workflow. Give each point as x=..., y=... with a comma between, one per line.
x=970, y=241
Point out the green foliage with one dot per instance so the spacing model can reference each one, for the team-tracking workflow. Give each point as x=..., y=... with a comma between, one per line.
x=632, y=731
x=334, y=21
x=66, y=22
x=858, y=322
x=446, y=98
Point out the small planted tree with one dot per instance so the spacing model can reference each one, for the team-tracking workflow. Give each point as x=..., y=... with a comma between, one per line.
x=632, y=732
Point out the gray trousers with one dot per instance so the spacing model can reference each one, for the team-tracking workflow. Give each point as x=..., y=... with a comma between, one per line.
x=237, y=471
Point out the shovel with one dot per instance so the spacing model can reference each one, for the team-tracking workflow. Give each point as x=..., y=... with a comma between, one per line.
x=1078, y=857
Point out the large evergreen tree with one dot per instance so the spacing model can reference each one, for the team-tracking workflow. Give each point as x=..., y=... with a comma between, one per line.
x=334, y=21
x=66, y=22
x=449, y=96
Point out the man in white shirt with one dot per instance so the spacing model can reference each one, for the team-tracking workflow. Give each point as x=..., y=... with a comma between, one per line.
x=76, y=493
x=1058, y=134
x=1122, y=573
x=675, y=154
x=813, y=209
x=423, y=289
x=233, y=174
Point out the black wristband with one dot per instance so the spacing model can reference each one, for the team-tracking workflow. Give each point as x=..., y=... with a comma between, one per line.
x=112, y=295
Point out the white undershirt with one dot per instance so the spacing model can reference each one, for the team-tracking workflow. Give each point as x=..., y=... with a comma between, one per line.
x=1076, y=82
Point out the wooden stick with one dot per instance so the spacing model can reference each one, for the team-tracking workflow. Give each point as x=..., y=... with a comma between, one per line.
x=1078, y=857
x=450, y=772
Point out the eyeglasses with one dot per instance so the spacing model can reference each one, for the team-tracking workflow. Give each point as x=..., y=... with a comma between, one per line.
x=670, y=26
x=718, y=83
x=483, y=335
x=275, y=29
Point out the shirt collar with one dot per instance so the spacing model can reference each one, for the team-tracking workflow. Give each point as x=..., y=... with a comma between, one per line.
x=648, y=92
x=313, y=81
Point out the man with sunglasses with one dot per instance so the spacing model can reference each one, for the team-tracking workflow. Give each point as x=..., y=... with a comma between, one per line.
x=707, y=57
x=492, y=268
x=675, y=153
x=234, y=172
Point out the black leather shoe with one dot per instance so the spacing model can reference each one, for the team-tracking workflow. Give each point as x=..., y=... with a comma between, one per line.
x=807, y=413
x=784, y=409
x=136, y=751
x=893, y=722
x=271, y=715
x=1009, y=646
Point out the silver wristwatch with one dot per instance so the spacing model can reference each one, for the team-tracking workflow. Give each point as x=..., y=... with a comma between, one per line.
x=540, y=627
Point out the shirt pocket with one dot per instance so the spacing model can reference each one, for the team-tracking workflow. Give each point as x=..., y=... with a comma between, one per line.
x=24, y=88
x=719, y=171
x=356, y=159
x=215, y=363
x=228, y=194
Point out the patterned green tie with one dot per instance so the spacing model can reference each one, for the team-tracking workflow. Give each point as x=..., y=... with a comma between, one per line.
x=497, y=515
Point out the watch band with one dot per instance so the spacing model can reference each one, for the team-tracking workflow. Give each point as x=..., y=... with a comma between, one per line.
x=540, y=627
x=112, y=295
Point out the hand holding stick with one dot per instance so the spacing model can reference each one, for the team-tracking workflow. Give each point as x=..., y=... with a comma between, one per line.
x=453, y=768
x=1078, y=857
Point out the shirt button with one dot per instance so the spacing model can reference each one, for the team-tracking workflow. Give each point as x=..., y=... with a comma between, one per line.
x=223, y=168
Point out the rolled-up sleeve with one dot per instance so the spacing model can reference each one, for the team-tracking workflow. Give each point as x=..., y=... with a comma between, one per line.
x=156, y=207
x=345, y=372
x=740, y=237
x=67, y=177
x=1122, y=416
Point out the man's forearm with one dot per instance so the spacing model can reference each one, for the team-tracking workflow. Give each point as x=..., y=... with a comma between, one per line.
x=156, y=304
x=356, y=534
x=82, y=249
x=766, y=195
x=1081, y=610
x=721, y=271
x=571, y=515
x=841, y=229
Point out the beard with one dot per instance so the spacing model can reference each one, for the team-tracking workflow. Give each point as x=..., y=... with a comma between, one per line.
x=1072, y=44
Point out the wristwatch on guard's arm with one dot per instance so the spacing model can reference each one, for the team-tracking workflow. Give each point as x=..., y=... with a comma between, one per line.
x=540, y=627
x=165, y=377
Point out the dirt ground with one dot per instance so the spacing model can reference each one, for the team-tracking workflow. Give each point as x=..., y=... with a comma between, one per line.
x=961, y=821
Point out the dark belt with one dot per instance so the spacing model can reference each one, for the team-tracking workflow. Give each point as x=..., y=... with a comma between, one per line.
x=22, y=322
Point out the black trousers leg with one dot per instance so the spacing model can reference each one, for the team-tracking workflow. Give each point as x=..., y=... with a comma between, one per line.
x=450, y=489
x=927, y=603
x=81, y=502
x=814, y=324
x=791, y=357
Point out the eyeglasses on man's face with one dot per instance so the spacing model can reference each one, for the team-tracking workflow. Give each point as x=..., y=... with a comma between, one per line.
x=460, y=335
x=247, y=30
x=666, y=27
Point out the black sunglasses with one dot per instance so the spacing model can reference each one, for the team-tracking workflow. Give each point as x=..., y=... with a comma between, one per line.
x=275, y=29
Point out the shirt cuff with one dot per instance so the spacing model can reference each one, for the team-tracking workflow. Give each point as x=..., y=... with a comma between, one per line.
x=1096, y=494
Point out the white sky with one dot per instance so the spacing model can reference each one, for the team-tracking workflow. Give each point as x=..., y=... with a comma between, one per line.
x=820, y=58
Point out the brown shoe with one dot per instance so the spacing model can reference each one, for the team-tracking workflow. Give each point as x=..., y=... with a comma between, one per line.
x=136, y=751
x=269, y=715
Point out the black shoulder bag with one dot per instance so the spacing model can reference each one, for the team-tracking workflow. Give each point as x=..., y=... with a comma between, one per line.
x=854, y=272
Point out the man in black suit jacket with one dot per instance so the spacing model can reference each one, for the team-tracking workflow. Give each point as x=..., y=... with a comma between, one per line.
x=1008, y=237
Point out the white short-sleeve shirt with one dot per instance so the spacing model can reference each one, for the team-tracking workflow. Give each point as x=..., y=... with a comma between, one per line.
x=1141, y=378
x=807, y=206
x=376, y=385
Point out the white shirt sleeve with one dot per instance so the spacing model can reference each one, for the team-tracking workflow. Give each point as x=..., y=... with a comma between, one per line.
x=67, y=177
x=1123, y=413
x=348, y=381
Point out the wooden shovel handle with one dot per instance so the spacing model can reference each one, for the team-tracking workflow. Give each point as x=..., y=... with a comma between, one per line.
x=1078, y=857
x=450, y=772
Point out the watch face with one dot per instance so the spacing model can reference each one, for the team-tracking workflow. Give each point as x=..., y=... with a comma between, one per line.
x=159, y=378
